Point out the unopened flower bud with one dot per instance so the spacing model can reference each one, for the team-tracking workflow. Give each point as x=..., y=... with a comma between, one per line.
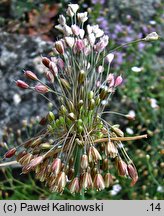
x=90, y=95
x=45, y=61
x=84, y=161
x=122, y=167
x=36, y=161
x=51, y=116
x=117, y=131
x=79, y=45
x=103, y=92
x=108, y=180
x=98, y=182
x=59, y=47
x=31, y=75
x=50, y=77
x=65, y=83
x=53, y=68
x=151, y=37
x=22, y=84
x=118, y=81
x=72, y=116
x=10, y=153
x=63, y=109
x=132, y=173
x=91, y=104
x=82, y=75
x=41, y=88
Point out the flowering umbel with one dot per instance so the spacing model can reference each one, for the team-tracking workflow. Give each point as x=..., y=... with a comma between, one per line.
x=76, y=147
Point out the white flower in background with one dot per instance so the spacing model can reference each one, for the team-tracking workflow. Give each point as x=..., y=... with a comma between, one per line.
x=152, y=22
x=109, y=58
x=132, y=113
x=153, y=103
x=115, y=190
x=129, y=131
x=160, y=189
x=136, y=69
x=17, y=99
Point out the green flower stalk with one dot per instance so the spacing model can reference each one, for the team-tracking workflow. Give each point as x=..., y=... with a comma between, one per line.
x=75, y=147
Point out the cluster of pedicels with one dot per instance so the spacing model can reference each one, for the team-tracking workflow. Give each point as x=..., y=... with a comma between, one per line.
x=77, y=146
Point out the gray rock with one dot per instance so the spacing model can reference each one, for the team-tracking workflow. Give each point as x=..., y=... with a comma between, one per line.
x=139, y=9
x=18, y=52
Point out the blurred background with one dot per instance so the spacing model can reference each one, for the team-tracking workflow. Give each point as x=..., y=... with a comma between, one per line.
x=27, y=32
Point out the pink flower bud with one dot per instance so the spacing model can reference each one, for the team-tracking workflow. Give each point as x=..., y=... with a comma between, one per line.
x=31, y=75
x=132, y=173
x=22, y=84
x=118, y=81
x=79, y=45
x=59, y=47
x=36, y=161
x=50, y=77
x=41, y=88
x=53, y=68
x=60, y=63
x=10, y=153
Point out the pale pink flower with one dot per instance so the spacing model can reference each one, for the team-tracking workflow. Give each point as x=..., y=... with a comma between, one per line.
x=118, y=81
x=75, y=29
x=110, y=80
